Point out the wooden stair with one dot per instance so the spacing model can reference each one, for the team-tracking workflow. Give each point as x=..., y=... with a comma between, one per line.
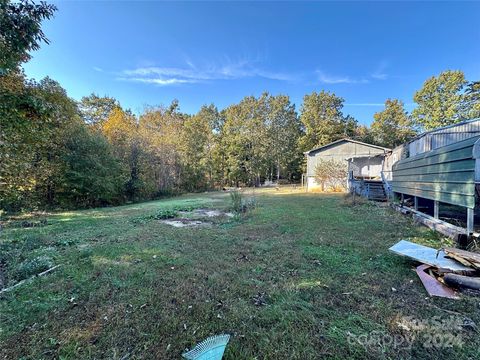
x=374, y=190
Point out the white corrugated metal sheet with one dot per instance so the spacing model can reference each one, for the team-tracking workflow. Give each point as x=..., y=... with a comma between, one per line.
x=444, y=136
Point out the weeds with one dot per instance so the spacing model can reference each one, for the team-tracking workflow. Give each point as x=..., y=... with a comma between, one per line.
x=160, y=215
x=240, y=205
x=33, y=267
x=165, y=214
x=352, y=199
x=236, y=201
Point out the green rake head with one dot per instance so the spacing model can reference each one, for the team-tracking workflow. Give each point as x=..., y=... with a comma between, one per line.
x=211, y=348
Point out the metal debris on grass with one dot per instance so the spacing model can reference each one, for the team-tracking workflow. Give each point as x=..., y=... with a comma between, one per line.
x=428, y=255
x=446, y=268
x=432, y=285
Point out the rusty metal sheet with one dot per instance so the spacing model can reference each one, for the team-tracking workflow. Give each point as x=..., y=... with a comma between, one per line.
x=428, y=255
x=433, y=286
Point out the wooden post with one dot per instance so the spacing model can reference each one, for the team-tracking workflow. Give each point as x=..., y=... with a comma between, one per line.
x=402, y=199
x=435, y=209
x=470, y=223
x=415, y=201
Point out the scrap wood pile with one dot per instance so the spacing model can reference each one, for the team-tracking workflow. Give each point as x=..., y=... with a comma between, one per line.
x=443, y=272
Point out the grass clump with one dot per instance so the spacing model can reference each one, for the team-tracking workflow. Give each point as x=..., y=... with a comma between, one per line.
x=165, y=214
x=240, y=205
x=236, y=201
x=352, y=199
x=160, y=215
x=33, y=267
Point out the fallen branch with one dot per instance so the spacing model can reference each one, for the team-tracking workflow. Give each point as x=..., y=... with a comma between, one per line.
x=462, y=281
x=28, y=280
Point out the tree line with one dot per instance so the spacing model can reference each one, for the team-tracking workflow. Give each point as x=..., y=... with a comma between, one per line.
x=58, y=152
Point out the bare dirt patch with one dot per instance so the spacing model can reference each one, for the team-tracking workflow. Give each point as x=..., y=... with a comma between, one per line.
x=196, y=217
x=179, y=223
x=207, y=213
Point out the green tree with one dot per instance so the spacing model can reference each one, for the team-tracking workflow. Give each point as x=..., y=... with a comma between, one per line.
x=283, y=133
x=61, y=113
x=323, y=120
x=37, y=122
x=197, y=149
x=440, y=101
x=96, y=109
x=91, y=175
x=245, y=141
x=364, y=134
x=160, y=133
x=472, y=100
x=392, y=126
x=23, y=118
x=121, y=130
x=20, y=31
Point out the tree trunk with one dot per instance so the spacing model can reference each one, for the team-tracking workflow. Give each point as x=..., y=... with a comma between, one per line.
x=278, y=170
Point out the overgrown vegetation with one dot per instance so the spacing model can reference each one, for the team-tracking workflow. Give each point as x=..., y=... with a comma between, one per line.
x=236, y=199
x=33, y=267
x=240, y=204
x=291, y=282
x=160, y=215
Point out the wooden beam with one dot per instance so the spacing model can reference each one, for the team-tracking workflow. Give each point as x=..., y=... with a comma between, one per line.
x=441, y=226
x=415, y=200
x=470, y=220
x=436, y=206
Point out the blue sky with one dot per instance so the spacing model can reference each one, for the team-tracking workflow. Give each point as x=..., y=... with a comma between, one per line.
x=148, y=53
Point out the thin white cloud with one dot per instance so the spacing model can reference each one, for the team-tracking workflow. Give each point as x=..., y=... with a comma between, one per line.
x=161, y=82
x=96, y=68
x=380, y=73
x=330, y=79
x=194, y=74
x=232, y=70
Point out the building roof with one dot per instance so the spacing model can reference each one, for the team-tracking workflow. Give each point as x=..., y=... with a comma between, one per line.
x=365, y=156
x=443, y=128
x=461, y=129
x=348, y=140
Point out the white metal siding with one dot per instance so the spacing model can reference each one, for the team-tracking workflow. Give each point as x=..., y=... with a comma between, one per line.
x=444, y=136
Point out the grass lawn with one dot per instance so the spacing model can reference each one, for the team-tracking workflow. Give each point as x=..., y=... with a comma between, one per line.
x=302, y=276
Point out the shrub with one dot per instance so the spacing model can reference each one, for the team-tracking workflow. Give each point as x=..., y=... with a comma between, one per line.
x=241, y=205
x=249, y=204
x=236, y=199
x=330, y=172
x=161, y=215
x=165, y=214
x=33, y=267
